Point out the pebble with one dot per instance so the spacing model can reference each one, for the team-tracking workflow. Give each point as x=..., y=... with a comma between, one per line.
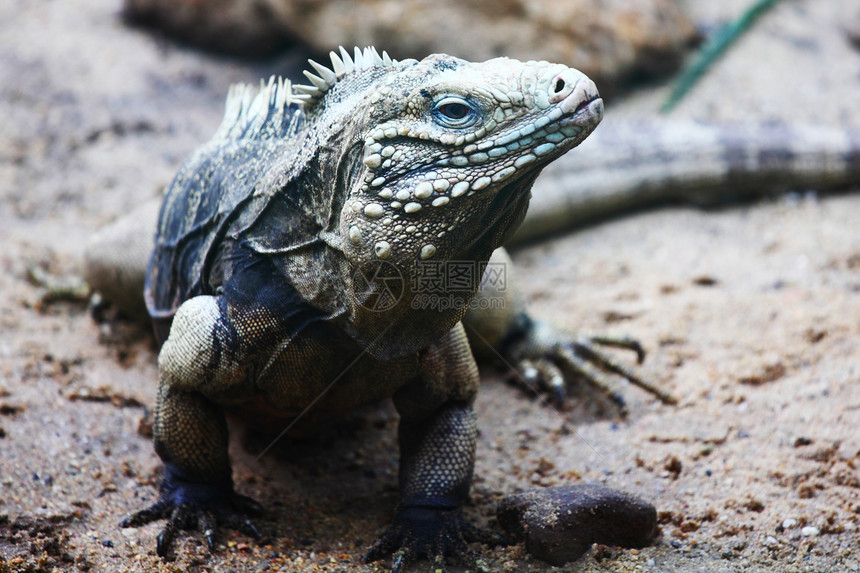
x=789, y=523
x=810, y=531
x=559, y=524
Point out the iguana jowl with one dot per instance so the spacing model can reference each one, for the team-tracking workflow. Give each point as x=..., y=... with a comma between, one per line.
x=252, y=284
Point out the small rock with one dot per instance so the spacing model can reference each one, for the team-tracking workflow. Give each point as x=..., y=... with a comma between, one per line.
x=672, y=465
x=810, y=531
x=789, y=523
x=559, y=524
x=770, y=540
x=802, y=441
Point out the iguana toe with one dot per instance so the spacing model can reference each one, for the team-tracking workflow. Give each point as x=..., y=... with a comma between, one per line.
x=548, y=360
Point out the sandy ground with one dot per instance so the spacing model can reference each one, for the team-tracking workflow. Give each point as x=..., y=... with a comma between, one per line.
x=751, y=316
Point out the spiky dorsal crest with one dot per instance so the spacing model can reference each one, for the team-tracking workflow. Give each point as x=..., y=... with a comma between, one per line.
x=325, y=78
x=263, y=111
x=252, y=111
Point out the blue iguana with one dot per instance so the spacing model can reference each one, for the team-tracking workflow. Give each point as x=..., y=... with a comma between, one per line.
x=289, y=274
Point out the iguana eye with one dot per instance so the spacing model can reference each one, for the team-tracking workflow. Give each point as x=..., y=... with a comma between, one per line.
x=454, y=112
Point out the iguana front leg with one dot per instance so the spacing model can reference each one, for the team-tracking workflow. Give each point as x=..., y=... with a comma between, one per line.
x=201, y=359
x=437, y=434
x=216, y=347
x=197, y=490
x=547, y=358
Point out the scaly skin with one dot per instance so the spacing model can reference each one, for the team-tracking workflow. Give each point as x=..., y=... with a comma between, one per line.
x=264, y=281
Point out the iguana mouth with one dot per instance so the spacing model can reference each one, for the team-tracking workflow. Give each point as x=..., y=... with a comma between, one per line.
x=586, y=103
x=590, y=108
x=585, y=117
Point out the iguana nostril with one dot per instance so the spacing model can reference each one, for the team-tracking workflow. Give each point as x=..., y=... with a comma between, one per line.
x=562, y=84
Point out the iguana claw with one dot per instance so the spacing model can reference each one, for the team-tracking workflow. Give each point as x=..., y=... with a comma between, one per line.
x=197, y=506
x=432, y=533
x=548, y=359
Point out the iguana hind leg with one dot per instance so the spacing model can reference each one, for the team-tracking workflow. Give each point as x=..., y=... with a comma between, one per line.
x=546, y=358
x=117, y=256
x=549, y=358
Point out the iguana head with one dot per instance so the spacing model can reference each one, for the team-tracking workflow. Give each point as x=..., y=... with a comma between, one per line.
x=449, y=149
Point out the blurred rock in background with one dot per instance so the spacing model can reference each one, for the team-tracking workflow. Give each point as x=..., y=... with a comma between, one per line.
x=613, y=41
